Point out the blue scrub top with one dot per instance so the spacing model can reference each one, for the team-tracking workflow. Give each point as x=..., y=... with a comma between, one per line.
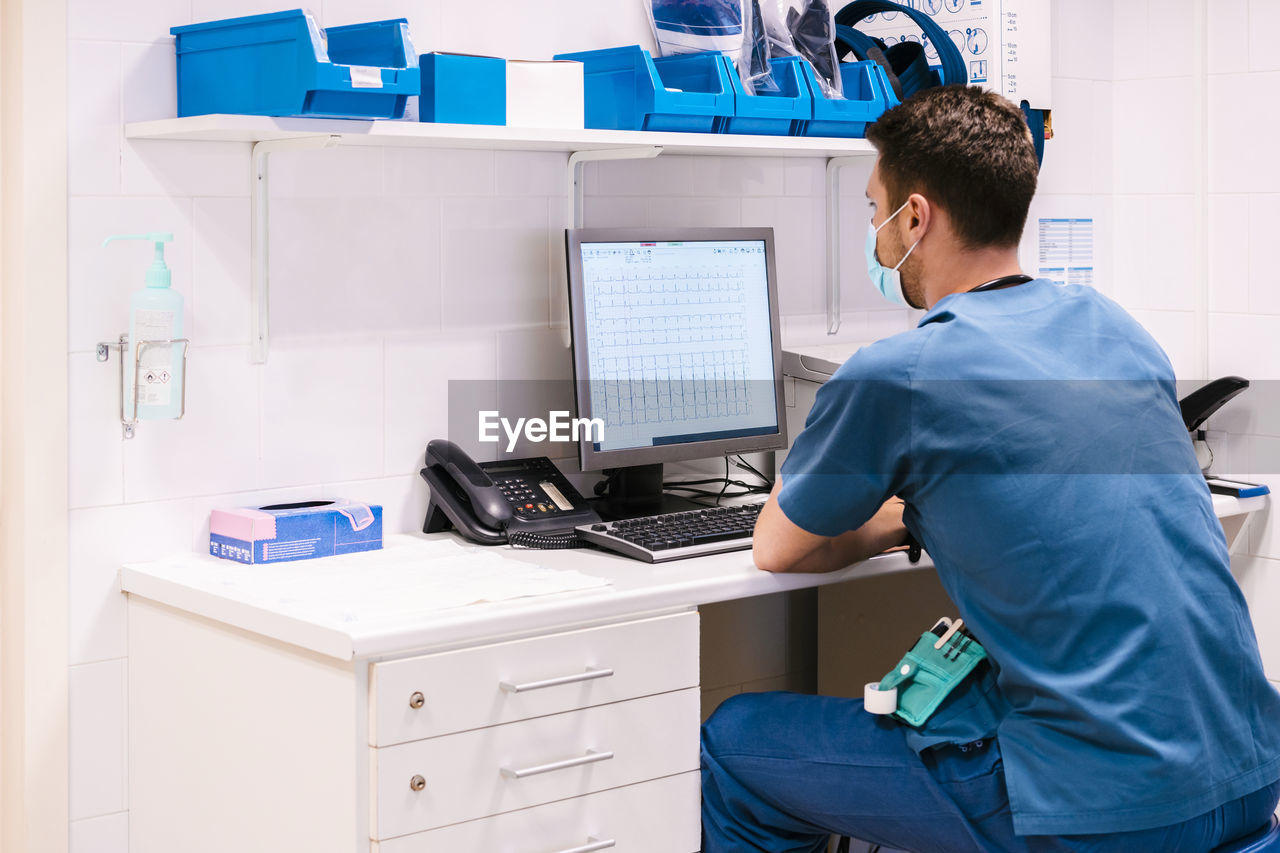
x=1035, y=435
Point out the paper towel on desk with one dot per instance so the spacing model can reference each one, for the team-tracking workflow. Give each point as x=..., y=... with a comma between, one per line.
x=406, y=579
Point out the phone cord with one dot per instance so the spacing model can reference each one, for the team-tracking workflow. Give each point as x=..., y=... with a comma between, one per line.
x=545, y=541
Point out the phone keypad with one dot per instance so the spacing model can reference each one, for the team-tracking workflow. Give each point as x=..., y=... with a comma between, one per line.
x=525, y=500
x=530, y=500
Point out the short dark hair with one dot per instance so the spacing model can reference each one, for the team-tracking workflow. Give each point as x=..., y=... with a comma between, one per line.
x=965, y=149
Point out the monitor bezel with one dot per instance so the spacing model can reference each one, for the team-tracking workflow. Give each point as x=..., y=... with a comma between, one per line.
x=596, y=460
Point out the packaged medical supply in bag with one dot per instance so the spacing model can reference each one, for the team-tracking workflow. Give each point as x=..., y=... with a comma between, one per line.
x=761, y=80
x=804, y=28
x=729, y=26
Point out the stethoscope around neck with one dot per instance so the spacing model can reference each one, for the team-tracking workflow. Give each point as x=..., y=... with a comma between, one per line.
x=1002, y=282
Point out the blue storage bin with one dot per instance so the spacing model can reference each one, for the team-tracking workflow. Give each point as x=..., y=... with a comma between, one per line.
x=627, y=89
x=866, y=96
x=279, y=65
x=461, y=89
x=782, y=114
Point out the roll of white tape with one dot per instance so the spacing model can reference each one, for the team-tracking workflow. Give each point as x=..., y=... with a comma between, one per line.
x=879, y=701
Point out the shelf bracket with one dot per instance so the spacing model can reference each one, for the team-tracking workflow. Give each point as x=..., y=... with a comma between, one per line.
x=259, y=221
x=578, y=158
x=834, y=166
x=576, y=161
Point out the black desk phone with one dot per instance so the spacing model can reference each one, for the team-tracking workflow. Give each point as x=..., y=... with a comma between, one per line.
x=526, y=502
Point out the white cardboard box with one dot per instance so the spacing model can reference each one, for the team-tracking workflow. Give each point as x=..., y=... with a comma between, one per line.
x=544, y=93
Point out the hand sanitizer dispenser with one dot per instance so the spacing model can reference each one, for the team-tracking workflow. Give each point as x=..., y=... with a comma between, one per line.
x=153, y=364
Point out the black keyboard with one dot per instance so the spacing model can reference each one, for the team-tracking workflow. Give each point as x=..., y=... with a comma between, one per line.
x=658, y=538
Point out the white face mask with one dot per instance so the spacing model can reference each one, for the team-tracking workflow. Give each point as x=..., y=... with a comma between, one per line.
x=887, y=281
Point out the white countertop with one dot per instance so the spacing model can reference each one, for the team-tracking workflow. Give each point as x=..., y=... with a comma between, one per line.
x=199, y=584
x=231, y=593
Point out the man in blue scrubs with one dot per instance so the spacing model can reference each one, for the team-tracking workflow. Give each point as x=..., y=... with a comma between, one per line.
x=1029, y=436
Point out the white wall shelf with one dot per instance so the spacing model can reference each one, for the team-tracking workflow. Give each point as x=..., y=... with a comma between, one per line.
x=270, y=135
x=241, y=128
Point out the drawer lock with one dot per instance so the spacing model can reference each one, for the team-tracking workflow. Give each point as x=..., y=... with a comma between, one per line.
x=590, y=758
x=591, y=674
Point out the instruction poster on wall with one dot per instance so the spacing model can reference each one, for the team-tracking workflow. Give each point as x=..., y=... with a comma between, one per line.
x=1004, y=43
x=1066, y=250
x=969, y=24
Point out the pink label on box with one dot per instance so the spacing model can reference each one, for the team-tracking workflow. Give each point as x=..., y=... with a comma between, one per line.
x=248, y=525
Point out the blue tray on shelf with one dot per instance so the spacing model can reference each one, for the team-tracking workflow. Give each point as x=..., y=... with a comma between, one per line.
x=283, y=64
x=866, y=96
x=627, y=89
x=784, y=113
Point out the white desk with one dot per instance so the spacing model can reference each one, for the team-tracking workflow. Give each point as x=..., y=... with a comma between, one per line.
x=254, y=729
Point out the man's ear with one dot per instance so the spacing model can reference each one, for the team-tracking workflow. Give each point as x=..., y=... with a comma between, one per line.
x=921, y=215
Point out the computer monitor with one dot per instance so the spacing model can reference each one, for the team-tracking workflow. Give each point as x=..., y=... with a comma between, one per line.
x=676, y=352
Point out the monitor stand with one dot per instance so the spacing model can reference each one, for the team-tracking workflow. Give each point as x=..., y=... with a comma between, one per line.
x=637, y=490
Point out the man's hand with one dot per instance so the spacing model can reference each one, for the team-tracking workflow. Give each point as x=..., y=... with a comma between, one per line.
x=779, y=545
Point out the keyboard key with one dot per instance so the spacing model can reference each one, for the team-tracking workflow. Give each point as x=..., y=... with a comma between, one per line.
x=703, y=538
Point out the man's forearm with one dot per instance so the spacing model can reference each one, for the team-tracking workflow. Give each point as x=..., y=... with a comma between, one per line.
x=851, y=547
x=781, y=546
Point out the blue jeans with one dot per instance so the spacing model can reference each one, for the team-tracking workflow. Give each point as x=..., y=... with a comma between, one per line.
x=783, y=771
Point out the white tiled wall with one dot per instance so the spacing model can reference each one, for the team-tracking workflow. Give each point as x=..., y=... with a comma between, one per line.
x=98, y=783
x=1154, y=233
x=394, y=270
x=106, y=834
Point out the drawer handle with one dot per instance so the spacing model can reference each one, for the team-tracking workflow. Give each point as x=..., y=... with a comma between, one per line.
x=592, y=846
x=590, y=758
x=417, y=783
x=591, y=674
x=417, y=700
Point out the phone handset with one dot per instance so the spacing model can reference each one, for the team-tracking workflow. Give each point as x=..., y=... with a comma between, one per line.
x=487, y=501
x=526, y=502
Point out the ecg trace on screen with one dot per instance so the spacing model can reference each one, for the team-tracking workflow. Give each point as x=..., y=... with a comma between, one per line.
x=668, y=344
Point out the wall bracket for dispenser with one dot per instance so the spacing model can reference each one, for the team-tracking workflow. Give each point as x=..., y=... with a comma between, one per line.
x=104, y=354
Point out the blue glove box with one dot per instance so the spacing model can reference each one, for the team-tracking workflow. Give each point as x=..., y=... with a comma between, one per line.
x=459, y=88
x=283, y=64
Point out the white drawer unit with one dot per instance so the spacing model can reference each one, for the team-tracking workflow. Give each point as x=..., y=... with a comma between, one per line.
x=661, y=815
x=435, y=782
x=286, y=732
x=455, y=691
x=571, y=729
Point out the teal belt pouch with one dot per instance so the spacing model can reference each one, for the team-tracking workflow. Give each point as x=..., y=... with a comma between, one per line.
x=939, y=661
